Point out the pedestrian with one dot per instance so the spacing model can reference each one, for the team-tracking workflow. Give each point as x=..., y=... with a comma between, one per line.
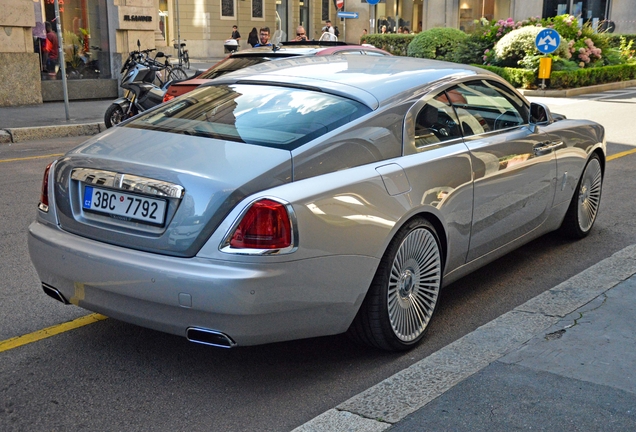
x=363, y=38
x=336, y=31
x=264, y=36
x=252, y=38
x=235, y=33
x=328, y=27
x=301, y=34
x=52, y=48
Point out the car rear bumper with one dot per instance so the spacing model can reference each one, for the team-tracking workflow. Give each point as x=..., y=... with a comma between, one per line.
x=251, y=303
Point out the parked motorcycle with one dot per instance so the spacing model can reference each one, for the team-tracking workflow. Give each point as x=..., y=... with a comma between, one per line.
x=139, y=74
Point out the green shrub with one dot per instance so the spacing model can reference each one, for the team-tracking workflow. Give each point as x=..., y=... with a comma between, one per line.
x=471, y=50
x=436, y=43
x=396, y=44
x=518, y=44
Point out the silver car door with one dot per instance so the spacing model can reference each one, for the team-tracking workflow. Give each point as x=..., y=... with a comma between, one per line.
x=513, y=179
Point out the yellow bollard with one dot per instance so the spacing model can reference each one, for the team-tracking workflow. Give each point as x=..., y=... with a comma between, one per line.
x=545, y=67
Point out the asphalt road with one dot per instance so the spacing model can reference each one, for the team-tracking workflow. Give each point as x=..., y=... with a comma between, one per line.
x=114, y=376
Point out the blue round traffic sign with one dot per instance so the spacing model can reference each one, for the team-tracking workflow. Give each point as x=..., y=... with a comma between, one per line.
x=373, y=2
x=547, y=41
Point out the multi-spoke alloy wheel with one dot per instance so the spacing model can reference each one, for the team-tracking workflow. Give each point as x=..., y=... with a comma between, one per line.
x=414, y=284
x=585, y=203
x=405, y=290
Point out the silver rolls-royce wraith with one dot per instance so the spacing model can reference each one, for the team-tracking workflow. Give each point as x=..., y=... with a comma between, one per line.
x=311, y=196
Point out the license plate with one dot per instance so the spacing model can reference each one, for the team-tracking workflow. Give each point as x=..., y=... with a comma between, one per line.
x=124, y=206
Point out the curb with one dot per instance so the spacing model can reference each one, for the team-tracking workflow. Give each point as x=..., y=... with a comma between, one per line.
x=580, y=90
x=16, y=135
x=392, y=400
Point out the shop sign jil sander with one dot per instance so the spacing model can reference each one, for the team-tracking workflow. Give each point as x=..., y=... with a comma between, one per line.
x=136, y=18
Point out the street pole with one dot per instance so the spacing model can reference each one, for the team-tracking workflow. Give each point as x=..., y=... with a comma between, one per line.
x=60, y=57
x=178, y=30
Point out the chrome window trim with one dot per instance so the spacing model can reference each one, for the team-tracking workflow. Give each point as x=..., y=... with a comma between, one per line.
x=128, y=182
x=225, y=244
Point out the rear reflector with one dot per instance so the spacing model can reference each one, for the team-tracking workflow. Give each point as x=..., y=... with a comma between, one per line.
x=44, y=194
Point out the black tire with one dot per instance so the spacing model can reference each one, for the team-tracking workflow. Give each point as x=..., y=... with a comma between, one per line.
x=583, y=209
x=177, y=74
x=403, y=296
x=186, y=59
x=114, y=115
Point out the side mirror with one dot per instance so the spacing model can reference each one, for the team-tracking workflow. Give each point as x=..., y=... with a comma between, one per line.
x=540, y=114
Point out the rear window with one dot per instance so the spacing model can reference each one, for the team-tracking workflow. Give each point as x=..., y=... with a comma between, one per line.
x=271, y=116
x=235, y=63
x=230, y=65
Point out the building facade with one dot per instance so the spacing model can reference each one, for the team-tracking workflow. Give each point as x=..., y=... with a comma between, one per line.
x=98, y=34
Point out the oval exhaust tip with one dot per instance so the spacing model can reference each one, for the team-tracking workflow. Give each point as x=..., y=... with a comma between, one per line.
x=209, y=337
x=54, y=293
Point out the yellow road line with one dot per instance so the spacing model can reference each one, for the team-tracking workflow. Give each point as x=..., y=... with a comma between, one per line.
x=621, y=154
x=50, y=331
x=93, y=318
x=31, y=157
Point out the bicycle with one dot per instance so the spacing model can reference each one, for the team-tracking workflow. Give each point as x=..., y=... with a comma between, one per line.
x=183, y=54
x=165, y=71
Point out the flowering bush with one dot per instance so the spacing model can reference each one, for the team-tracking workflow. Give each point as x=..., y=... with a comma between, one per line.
x=520, y=43
x=584, y=51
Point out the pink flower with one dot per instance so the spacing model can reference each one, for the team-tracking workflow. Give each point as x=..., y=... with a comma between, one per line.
x=487, y=51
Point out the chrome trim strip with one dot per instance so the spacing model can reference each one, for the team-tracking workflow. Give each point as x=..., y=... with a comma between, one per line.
x=128, y=182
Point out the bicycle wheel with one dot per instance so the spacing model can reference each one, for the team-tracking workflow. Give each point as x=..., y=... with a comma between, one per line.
x=177, y=74
x=186, y=59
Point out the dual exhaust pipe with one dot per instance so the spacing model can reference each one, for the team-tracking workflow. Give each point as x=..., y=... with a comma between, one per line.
x=193, y=334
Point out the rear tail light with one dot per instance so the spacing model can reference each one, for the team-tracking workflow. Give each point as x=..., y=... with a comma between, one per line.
x=266, y=225
x=44, y=194
x=167, y=97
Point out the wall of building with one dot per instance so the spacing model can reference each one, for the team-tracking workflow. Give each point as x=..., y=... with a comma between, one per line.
x=525, y=9
x=19, y=65
x=623, y=13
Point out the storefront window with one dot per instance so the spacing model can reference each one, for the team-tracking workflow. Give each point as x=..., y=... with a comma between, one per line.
x=472, y=10
x=593, y=12
x=85, y=39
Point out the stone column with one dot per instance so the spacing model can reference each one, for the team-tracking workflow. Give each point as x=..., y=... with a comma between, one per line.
x=20, y=72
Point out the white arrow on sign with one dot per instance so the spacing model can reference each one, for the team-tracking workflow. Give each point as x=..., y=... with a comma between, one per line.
x=547, y=40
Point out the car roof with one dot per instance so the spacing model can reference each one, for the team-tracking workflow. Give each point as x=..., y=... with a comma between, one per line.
x=293, y=48
x=370, y=79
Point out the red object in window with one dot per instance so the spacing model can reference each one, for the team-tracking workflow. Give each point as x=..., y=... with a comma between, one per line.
x=339, y=4
x=266, y=225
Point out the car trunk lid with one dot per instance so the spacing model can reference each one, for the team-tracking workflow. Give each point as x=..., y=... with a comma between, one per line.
x=191, y=182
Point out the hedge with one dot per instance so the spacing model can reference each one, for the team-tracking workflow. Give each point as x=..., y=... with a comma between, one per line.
x=396, y=44
x=592, y=76
x=525, y=78
x=614, y=40
x=520, y=78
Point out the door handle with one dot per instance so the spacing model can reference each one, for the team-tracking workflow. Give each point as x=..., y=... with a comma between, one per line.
x=547, y=147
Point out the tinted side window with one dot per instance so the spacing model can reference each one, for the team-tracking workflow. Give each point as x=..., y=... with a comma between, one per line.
x=484, y=106
x=436, y=122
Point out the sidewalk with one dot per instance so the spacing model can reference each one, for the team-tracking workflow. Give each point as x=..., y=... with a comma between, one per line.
x=48, y=120
x=564, y=360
